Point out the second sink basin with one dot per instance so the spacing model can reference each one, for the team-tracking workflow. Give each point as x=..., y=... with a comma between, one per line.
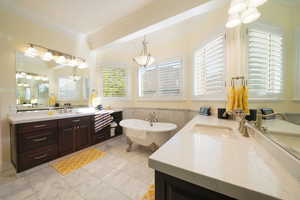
x=212, y=130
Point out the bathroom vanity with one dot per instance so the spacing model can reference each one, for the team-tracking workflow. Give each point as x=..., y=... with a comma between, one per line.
x=210, y=159
x=38, y=138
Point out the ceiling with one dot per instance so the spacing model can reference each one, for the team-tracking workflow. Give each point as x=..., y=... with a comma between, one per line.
x=79, y=16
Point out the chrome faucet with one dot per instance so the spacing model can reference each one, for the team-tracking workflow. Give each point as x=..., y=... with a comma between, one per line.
x=152, y=118
x=241, y=116
x=260, y=116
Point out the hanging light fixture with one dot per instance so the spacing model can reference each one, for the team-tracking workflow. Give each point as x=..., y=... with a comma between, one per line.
x=31, y=52
x=74, y=76
x=256, y=3
x=47, y=56
x=250, y=15
x=145, y=59
x=237, y=6
x=233, y=21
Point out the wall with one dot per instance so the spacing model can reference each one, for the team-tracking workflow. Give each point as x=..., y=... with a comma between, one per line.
x=183, y=38
x=15, y=32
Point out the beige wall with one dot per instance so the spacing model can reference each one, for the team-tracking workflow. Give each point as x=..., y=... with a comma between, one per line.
x=182, y=39
x=14, y=33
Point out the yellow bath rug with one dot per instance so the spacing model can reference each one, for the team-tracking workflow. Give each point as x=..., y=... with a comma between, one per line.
x=77, y=161
x=150, y=195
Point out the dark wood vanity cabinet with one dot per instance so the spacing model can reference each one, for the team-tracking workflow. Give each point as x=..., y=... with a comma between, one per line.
x=171, y=188
x=74, y=134
x=38, y=142
x=33, y=143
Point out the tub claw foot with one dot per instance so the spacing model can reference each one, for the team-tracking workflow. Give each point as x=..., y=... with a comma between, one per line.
x=154, y=147
x=129, y=142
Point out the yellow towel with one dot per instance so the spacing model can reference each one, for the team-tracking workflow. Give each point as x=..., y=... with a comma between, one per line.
x=245, y=100
x=52, y=100
x=230, y=100
x=92, y=99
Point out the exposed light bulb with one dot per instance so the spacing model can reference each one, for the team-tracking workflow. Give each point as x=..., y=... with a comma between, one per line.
x=237, y=6
x=47, y=56
x=29, y=77
x=31, y=52
x=233, y=21
x=256, y=3
x=61, y=60
x=250, y=15
x=82, y=65
x=73, y=62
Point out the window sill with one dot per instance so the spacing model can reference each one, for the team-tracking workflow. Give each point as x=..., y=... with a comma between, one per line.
x=266, y=99
x=208, y=99
x=174, y=99
x=115, y=99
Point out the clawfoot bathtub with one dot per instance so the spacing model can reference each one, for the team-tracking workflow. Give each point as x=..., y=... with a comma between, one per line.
x=141, y=132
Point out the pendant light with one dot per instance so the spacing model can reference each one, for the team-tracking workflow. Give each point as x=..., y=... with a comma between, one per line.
x=237, y=6
x=145, y=59
x=250, y=15
x=256, y=3
x=233, y=21
x=31, y=52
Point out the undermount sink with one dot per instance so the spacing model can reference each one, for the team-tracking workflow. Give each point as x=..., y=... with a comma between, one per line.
x=212, y=130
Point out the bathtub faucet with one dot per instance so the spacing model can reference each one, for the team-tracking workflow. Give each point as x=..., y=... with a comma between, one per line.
x=152, y=118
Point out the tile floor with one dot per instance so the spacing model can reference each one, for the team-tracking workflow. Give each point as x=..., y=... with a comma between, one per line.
x=117, y=176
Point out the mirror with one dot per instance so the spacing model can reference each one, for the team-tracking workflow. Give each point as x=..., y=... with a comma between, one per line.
x=41, y=84
x=285, y=132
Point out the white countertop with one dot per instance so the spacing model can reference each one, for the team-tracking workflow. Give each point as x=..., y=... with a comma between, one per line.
x=233, y=165
x=35, y=116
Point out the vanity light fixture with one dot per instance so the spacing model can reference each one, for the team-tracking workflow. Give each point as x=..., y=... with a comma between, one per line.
x=243, y=11
x=145, y=58
x=49, y=54
x=31, y=51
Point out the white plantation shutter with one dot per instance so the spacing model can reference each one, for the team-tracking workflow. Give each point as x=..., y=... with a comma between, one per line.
x=209, y=69
x=164, y=79
x=265, y=63
x=115, y=81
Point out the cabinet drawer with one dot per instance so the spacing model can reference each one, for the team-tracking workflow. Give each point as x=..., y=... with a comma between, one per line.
x=36, y=139
x=35, y=126
x=38, y=156
x=70, y=122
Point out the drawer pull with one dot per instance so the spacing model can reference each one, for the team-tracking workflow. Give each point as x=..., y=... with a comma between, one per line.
x=40, y=139
x=76, y=120
x=40, y=126
x=41, y=157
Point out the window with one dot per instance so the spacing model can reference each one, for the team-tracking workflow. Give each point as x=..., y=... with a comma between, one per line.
x=68, y=89
x=161, y=80
x=114, y=82
x=265, y=63
x=209, y=69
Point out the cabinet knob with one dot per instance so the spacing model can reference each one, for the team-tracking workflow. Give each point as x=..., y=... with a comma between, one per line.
x=41, y=157
x=40, y=139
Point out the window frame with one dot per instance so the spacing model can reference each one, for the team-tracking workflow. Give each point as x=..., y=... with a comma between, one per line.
x=296, y=95
x=220, y=98
x=128, y=84
x=276, y=30
x=181, y=97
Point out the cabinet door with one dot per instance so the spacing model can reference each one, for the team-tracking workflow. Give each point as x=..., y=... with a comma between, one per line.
x=83, y=134
x=66, y=141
